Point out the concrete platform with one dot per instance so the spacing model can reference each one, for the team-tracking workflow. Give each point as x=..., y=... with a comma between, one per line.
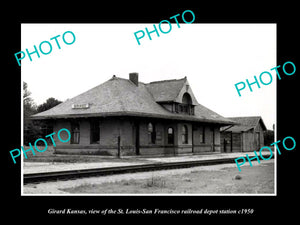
x=39, y=167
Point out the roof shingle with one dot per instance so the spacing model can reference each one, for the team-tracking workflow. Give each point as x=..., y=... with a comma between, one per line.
x=120, y=97
x=245, y=123
x=166, y=90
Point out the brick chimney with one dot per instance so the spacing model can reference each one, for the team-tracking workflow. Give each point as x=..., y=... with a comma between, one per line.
x=134, y=78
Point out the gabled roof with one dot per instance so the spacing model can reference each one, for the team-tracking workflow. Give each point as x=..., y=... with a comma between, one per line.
x=121, y=97
x=170, y=90
x=165, y=90
x=245, y=123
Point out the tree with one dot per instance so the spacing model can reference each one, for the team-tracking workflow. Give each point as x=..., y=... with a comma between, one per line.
x=268, y=137
x=45, y=126
x=35, y=129
x=50, y=103
x=28, y=104
x=31, y=130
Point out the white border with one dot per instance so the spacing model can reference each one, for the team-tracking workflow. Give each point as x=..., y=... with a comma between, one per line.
x=275, y=158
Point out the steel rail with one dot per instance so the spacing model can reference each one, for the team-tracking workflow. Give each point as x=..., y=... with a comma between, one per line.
x=74, y=174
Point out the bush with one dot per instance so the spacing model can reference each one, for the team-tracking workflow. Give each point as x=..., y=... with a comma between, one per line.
x=268, y=137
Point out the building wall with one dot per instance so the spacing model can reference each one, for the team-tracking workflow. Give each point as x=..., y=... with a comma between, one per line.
x=234, y=142
x=148, y=148
x=253, y=139
x=111, y=128
x=198, y=145
x=208, y=145
x=57, y=125
x=168, y=106
x=237, y=141
x=184, y=148
x=85, y=134
x=244, y=141
x=259, y=129
x=248, y=141
x=226, y=144
x=217, y=141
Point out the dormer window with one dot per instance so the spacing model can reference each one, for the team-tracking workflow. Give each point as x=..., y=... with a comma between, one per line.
x=186, y=99
x=186, y=106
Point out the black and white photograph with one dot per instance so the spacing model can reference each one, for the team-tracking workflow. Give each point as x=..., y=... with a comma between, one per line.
x=150, y=111
x=162, y=117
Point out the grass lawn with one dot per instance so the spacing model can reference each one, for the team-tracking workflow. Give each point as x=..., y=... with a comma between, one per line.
x=256, y=179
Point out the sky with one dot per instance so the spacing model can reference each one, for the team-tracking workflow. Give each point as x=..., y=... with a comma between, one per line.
x=213, y=57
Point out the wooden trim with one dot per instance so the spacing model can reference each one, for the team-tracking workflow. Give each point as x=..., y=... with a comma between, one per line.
x=176, y=117
x=192, y=138
x=231, y=145
x=204, y=145
x=78, y=146
x=93, y=146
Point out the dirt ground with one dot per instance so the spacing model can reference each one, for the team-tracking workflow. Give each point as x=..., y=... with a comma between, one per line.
x=218, y=179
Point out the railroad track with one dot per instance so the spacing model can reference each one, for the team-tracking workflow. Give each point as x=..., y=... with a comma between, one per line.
x=74, y=174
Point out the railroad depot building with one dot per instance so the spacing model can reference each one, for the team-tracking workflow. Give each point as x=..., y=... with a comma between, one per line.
x=246, y=135
x=157, y=118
